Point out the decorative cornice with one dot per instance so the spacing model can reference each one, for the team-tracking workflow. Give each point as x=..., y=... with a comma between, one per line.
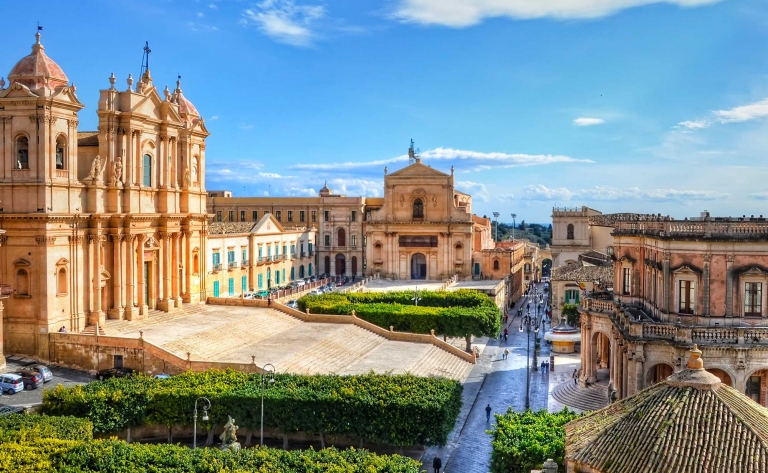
x=45, y=240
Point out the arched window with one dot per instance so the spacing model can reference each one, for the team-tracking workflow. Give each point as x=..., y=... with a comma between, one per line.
x=342, y=237
x=570, y=231
x=196, y=263
x=22, y=153
x=418, y=208
x=147, y=170
x=61, y=281
x=301, y=271
x=496, y=264
x=61, y=152
x=22, y=282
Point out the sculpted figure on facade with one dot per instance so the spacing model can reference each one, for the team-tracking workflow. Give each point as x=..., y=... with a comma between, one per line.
x=95, y=167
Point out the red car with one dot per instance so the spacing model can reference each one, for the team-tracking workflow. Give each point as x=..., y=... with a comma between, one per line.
x=32, y=379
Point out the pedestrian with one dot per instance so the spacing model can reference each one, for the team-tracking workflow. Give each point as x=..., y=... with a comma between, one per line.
x=542, y=367
x=505, y=336
x=63, y=329
x=437, y=463
x=269, y=301
x=506, y=318
x=488, y=413
x=506, y=353
x=575, y=377
x=546, y=367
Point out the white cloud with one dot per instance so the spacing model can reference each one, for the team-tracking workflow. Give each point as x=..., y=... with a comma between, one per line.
x=584, y=121
x=201, y=27
x=759, y=196
x=284, y=21
x=541, y=192
x=215, y=117
x=463, y=13
x=270, y=175
x=693, y=124
x=476, y=189
x=200, y=14
x=212, y=6
x=364, y=187
x=469, y=160
x=245, y=127
x=743, y=113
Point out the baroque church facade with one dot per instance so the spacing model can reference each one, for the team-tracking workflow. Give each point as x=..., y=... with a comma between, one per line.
x=104, y=224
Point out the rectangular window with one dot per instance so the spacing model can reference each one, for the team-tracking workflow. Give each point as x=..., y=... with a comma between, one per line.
x=301, y=216
x=314, y=216
x=147, y=170
x=231, y=256
x=354, y=215
x=231, y=286
x=244, y=284
x=686, y=296
x=354, y=241
x=216, y=259
x=218, y=216
x=255, y=215
x=242, y=215
x=753, y=388
x=572, y=296
x=261, y=248
x=327, y=240
x=279, y=215
x=327, y=215
x=244, y=255
x=309, y=246
x=285, y=247
x=626, y=284
x=261, y=281
x=290, y=215
x=753, y=298
x=293, y=250
x=231, y=215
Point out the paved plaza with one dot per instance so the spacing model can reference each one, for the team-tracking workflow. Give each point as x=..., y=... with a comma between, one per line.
x=235, y=334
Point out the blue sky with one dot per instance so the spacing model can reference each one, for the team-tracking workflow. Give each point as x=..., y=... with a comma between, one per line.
x=621, y=105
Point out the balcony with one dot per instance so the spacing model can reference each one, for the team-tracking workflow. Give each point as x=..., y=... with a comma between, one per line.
x=246, y=262
x=303, y=254
x=232, y=265
x=218, y=267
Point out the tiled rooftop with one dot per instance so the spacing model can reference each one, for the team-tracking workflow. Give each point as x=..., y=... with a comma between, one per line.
x=87, y=138
x=580, y=273
x=223, y=228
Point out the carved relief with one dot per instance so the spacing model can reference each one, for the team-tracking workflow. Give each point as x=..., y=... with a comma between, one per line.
x=402, y=200
x=45, y=241
x=95, y=167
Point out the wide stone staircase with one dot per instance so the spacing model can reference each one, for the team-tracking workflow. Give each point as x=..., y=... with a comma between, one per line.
x=153, y=317
x=590, y=398
x=438, y=362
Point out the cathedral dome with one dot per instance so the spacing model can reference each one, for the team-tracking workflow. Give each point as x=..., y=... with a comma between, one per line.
x=186, y=109
x=38, y=70
x=325, y=191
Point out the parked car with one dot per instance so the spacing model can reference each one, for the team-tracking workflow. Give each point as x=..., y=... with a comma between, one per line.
x=43, y=370
x=101, y=375
x=300, y=283
x=11, y=383
x=5, y=410
x=316, y=292
x=32, y=379
x=162, y=376
x=292, y=304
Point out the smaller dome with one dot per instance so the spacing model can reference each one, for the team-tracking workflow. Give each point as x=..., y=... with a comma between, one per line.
x=325, y=191
x=38, y=70
x=186, y=109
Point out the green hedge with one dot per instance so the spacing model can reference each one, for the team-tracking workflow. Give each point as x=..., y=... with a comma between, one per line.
x=460, y=313
x=396, y=410
x=114, y=456
x=25, y=428
x=523, y=441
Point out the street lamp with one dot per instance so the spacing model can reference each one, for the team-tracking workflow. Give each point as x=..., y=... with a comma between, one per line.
x=529, y=323
x=206, y=406
x=496, y=216
x=416, y=297
x=269, y=369
x=513, y=226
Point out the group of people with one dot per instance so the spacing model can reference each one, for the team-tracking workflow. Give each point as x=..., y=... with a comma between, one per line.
x=544, y=366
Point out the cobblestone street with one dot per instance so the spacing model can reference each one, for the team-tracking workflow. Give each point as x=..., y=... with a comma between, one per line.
x=501, y=384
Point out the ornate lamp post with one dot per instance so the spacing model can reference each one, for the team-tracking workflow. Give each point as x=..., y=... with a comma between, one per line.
x=269, y=371
x=206, y=406
x=513, y=226
x=529, y=323
x=496, y=216
x=416, y=296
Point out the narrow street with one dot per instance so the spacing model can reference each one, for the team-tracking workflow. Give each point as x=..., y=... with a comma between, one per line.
x=502, y=387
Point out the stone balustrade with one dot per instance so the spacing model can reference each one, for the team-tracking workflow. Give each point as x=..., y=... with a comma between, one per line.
x=659, y=331
x=732, y=228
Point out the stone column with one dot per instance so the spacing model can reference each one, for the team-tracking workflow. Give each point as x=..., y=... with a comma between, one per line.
x=2, y=315
x=667, y=282
x=188, y=266
x=729, y=285
x=640, y=370
x=117, y=270
x=164, y=271
x=143, y=308
x=130, y=267
x=624, y=372
x=96, y=316
x=705, y=285
x=175, y=270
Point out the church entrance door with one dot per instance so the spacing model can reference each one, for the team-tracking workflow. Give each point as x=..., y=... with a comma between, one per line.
x=341, y=265
x=418, y=266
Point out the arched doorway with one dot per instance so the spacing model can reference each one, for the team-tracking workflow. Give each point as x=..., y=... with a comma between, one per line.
x=418, y=266
x=342, y=237
x=601, y=356
x=341, y=265
x=354, y=266
x=327, y=265
x=725, y=378
x=658, y=373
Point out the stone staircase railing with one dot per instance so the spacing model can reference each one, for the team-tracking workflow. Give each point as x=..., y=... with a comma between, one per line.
x=350, y=319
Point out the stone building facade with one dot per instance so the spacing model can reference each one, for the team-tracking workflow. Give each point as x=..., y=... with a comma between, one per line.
x=97, y=224
x=676, y=283
x=252, y=257
x=577, y=230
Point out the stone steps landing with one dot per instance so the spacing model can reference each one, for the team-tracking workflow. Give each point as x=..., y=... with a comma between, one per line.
x=438, y=362
x=572, y=395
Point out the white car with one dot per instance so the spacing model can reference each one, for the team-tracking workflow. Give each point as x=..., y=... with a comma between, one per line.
x=299, y=283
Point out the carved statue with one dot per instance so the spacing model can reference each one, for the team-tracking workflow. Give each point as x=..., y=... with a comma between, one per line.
x=95, y=167
x=187, y=179
x=402, y=200
x=229, y=437
x=434, y=200
x=118, y=170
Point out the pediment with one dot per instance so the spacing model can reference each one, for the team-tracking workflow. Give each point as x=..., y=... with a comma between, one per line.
x=627, y=259
x=754, y=271
x=22, y=262
x=418, y=170
x=149, y=105
x=66, y=94
x=686, y=268
x=18, y=90
x=62, y=262
x=268, y=224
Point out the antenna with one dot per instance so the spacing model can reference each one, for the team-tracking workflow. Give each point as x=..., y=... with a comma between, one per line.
x=145, y=59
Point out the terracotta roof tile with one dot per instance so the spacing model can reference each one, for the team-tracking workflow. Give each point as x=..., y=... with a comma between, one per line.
x=87, y=138
x=222, y=228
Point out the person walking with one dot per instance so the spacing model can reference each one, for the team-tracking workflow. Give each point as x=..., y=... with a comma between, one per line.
x=488, y=413
x=437, y=463
x=506, y=353
x=575, y=377
x=269, y=301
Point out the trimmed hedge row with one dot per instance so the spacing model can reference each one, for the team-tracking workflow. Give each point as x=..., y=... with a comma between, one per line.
x=461, y=313
x=523, y=441
x=26, y=428
x=114, y=456
x=396, y=410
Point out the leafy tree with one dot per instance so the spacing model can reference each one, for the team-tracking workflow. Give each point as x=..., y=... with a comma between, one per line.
x=571, y=313
x=523, y=226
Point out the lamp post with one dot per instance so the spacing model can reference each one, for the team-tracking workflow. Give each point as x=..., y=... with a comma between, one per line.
x=529, y=322
x=269, y=369
x=416, y=297
x=206, y=406
x=513, y=226
x=496, y=216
